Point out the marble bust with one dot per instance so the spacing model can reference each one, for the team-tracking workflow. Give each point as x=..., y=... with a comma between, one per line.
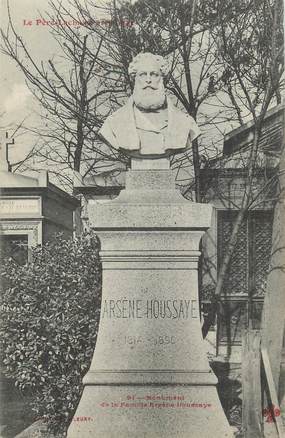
x=149, y=125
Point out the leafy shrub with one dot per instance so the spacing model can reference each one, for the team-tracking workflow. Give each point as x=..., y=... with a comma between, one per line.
x=50, y=312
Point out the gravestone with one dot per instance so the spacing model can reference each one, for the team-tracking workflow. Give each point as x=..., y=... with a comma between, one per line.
x=149, y=376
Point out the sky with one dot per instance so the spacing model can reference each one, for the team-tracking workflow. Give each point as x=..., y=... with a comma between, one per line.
x=16, y=100
x=15, y=97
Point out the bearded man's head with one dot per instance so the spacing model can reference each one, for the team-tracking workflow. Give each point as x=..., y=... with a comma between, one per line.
x=148, y=71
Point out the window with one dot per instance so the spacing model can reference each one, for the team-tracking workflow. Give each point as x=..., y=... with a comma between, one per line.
x=245, y=284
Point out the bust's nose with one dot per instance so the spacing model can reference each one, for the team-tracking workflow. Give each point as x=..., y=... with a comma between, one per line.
x=148, y=78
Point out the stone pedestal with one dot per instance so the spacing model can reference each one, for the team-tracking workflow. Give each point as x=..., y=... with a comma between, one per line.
x=150, y=375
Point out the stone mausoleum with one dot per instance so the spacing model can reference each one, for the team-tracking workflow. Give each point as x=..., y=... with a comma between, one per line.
x=223, y=184
x=32, y=210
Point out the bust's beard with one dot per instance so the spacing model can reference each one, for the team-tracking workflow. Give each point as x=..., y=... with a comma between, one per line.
x=149, y=98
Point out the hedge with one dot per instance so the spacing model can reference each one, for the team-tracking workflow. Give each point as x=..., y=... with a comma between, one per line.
x=50, y=311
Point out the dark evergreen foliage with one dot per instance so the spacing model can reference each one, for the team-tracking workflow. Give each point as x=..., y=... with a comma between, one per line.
x=50, y=312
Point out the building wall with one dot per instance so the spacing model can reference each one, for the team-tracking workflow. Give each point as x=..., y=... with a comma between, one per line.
x=35, y=212
x=243, y=292
x=57, y=213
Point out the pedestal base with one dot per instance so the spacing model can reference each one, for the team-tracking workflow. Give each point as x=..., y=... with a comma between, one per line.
x=150, y=376
x=149, y=412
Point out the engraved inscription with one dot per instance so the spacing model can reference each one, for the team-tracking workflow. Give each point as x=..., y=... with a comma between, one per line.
x=150, y=309
x=18, y=206
x=154, y=340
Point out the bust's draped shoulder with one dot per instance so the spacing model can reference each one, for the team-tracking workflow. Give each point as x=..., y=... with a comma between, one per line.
x=120, y=129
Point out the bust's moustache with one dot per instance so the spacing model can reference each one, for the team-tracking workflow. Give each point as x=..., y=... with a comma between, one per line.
x=149, y=86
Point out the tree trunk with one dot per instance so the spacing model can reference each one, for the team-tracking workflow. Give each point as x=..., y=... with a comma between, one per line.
x=81, y=110
x=196, y=165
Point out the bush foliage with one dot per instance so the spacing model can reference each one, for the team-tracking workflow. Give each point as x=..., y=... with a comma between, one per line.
x=50, y=312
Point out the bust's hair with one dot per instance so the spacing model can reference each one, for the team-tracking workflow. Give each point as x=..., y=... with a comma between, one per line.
x=142, y=57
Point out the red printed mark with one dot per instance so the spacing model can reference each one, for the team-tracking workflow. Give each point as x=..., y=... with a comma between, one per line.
x=270, y=413
x=74, y=23
x=82, y=419
x=157, y=401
